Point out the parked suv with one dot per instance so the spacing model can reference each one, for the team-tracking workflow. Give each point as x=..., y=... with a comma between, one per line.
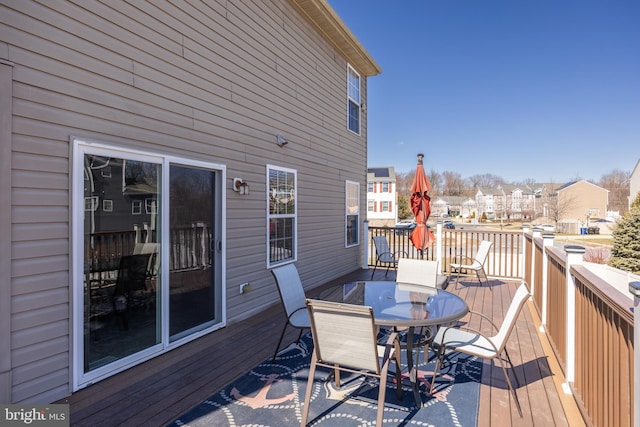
x=449, y=224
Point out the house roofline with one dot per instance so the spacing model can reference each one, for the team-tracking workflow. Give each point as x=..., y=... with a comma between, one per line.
x=322, y=15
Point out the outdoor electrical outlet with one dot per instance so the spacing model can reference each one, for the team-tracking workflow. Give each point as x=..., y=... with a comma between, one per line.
x=245, y=287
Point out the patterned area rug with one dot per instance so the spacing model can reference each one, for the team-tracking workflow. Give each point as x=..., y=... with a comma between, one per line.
x=272, y=394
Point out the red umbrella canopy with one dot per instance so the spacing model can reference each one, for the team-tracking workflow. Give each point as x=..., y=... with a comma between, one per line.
x=421, y=237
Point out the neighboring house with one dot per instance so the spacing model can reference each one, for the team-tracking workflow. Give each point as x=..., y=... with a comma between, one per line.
x=634, y=184
x=382, y=197
x=507, y=201
x=487, y=202
x=455, y=206
x=158, y=155
x=573, y=204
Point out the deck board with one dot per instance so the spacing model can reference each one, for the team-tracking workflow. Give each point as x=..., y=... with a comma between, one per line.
x=158, y=391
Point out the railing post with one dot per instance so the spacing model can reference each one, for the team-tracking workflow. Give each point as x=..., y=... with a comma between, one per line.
x=634, y=288
x=574, y=254
x=525, y=230
x=547, y=240
x=532, y=285
x=367, y=247
x=439, y=245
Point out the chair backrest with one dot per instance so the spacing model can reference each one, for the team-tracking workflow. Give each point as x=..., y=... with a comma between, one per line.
x=382, y=249
x=483, y=251
x=518, y=301
x=417, y=272
x=132, y=273
x=154, y=260
x=344, y=334
x=289, y=287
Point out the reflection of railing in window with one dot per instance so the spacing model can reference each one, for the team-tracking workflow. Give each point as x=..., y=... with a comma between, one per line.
x=189, y=249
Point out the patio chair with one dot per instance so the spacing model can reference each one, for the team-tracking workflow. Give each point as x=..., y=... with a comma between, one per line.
x=474, y=343
x=344, y=339
x=293, y=300
x=416, y=274
x=476, y=265
x=130, y=288
x=384, y=256
x=420, y=272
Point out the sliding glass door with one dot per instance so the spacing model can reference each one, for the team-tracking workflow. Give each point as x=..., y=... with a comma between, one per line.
x=193, y=302
x=149, y=258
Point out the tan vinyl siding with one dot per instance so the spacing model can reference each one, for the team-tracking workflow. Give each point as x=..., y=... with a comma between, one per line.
x=213, y=81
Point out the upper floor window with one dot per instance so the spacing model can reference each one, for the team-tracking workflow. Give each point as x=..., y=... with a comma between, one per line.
x=371, y=206
x=352, y=207
x=386, y=206
x=281, y=217
x=370, y=187
x=353, y=100
x=385, y=187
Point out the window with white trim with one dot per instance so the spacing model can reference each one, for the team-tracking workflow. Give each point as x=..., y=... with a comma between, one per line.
x=352, y=211
x=353, y=100
x=281, y=215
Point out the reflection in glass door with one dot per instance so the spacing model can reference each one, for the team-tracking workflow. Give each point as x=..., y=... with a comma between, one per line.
x=193, y=301
x=121, y=258
x=148, y=254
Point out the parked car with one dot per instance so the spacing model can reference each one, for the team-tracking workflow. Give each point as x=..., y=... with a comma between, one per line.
x=547, y=227
x=449, y=224
x=405, y=226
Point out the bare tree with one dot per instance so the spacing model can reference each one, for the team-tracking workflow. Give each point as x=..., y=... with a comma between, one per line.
x=557, y=207
x=617, y=182
x=454, y=185
x=435, y=179
x=485, y=180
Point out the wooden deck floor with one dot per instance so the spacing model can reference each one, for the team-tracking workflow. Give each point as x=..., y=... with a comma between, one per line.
x=158, y=391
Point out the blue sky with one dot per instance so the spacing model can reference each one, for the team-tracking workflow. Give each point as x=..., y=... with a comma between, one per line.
x=547, y=90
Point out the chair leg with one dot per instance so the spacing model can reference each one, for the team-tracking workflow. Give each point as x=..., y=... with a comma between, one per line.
x=486, y=278
x=279, y=342
x=374, y=269
x=398, y=376
x=513, y=390
x=439, y=357
x=381, y=392
x=307, y=395
x=513, y=369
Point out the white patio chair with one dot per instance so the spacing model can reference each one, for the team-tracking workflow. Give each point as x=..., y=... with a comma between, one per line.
x=344, y=339
x=293, y=300
x=476, y=265
x=420, y=272
x=384, y=255
x=469, y=341
x=414, y=274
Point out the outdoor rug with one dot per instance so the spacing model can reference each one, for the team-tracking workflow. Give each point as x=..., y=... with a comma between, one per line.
x=272, y=394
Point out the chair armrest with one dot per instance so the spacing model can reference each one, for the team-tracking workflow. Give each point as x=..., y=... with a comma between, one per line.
x=471, y=330
x=295, y=311
x=393, y=254
x=483, y=316
x=392, y=343
x=462, y=258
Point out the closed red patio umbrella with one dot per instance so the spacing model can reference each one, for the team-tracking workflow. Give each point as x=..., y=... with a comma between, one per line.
x=421, y=237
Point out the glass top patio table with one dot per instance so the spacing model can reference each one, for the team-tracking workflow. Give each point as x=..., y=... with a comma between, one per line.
x=400, y=304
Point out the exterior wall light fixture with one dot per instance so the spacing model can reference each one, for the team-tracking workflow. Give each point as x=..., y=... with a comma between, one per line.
x=281, y=140
x=240, y=186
